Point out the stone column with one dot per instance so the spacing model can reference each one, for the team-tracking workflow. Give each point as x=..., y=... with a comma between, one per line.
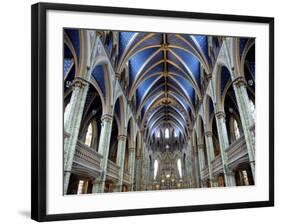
x=196, y=165
x=210, y=154
x=138, y=172
x=145, y=168
x=72, y=125
x=201, y=159
x=243, y=102
x=98, y=186
x=224, y=144
x=139, y=162
x=132, y=154
x=189, y=176
x=121, y=149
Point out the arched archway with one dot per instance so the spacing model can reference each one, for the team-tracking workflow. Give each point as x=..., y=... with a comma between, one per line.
x=81, y=178
x=116, y=130
x=232, y=116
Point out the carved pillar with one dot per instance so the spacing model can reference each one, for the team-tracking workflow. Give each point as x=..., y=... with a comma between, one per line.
x=138, y=173
x=243, y=102
x=132, y=155
x=121, y=149
x=139, y=162
x=103, y=149
x=72, y=125
x=196, y=170
x=210, y=154
x=145, y=169
x=224, y=144
x=201, y=159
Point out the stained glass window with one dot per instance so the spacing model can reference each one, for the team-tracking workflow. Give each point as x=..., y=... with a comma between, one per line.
x=179, y=168
x=89, y=135
x=167, y=133
x=80, y=187
x=155, y=168
x=236, y=129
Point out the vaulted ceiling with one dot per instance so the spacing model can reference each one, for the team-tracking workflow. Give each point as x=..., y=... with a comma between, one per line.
x=164, y=75
x=166, y=72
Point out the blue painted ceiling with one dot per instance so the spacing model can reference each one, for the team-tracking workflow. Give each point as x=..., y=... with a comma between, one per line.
x=164, y=72
x=242, y=44
x=225, y=77
x=175, y=57
x=73, y=35
x=98, y=75
x=67, y=65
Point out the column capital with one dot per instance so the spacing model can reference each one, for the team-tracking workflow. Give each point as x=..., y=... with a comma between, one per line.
x=239, y=81
x=195, y=149
x=209, y=76
x=220, y=114
x=117, y=76
x=208, y=133
x=132, y=149
x=79, y=82
x=122, y=137
x=106, y=118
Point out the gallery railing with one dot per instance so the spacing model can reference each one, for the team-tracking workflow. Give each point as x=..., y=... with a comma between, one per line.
x=86, y=160
x=236, y=154
x=112, y=170
x=127, y=178
x=217, y=165
x=205, y=172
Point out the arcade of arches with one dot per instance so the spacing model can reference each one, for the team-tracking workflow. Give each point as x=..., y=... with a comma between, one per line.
x=154, y=111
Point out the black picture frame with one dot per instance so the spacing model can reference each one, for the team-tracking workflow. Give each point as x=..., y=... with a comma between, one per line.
x=39, y=114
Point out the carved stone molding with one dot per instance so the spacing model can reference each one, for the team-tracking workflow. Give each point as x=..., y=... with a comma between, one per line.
x=209, y=77
x=208, y=134
x=220, y=114
x=117, y=76
x=195, y=149
x=200, y=101
x=239, y=81
x=122, y=137
x=106, y=118
x=132, y=149
x=79, y=83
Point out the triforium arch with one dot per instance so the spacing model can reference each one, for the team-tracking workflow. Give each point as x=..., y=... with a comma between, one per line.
x=156, y=111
